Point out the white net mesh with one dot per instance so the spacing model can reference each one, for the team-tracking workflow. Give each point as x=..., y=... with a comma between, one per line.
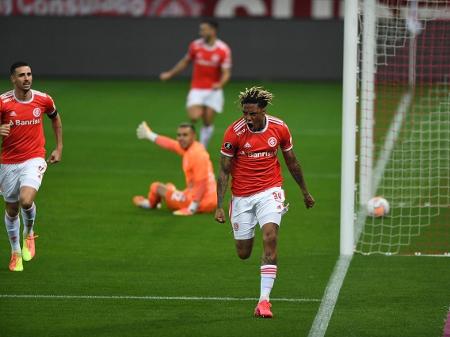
x=405, y=126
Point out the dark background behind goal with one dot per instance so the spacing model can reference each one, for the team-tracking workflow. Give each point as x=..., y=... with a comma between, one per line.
x=142, y=47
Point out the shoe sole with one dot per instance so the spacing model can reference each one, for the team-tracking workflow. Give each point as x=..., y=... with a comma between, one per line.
x=26, y=259
x=17, y=269
x=257, y=314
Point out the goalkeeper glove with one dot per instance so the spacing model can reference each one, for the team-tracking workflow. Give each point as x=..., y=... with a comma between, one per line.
x=144, y=132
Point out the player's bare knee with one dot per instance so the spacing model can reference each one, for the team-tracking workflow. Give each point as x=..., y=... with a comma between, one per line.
x=244, y=248
x=193, y=116
x=195, y=112
x=12, y=210
x=244, y=254
x=26, y=203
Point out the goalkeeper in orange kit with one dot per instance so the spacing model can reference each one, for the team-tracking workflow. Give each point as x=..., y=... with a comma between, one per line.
x=200, y=194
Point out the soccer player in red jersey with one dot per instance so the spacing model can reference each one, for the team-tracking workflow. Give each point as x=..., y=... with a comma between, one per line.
x=23, y=157
x=249, y=155
x=211, y=59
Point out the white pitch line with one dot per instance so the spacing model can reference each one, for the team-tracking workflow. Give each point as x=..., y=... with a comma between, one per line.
x=152, y=298
x=330, y=297
x=322, y=319
x=391, y=138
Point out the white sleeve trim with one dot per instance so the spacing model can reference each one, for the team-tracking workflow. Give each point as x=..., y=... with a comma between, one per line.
x=289, y=148
x=226, y=154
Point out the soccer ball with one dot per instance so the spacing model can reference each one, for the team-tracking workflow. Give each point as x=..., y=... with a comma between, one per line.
x=377, y=207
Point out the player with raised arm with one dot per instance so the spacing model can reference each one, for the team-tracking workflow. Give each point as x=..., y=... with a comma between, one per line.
x=23, y=157
x=211, y=59
x=200, y=193
x=249, y=155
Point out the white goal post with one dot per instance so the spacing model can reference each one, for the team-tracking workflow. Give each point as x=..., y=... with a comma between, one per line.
x=396, y=126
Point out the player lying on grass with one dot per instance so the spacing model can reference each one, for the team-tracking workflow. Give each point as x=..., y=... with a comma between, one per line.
x=200, y=193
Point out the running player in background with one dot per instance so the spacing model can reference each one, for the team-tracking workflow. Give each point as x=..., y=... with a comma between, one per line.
x=200, y=193
x=211, y=60
x=23, y=157
x=249, y=155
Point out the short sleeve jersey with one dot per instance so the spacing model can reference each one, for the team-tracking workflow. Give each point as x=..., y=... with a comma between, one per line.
x=26, y=139
x=208, y=62
x=255, y=166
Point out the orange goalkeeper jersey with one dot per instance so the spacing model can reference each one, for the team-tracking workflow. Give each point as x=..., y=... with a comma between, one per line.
x=198, y=171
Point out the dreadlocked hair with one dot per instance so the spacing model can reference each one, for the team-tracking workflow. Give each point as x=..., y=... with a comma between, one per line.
x=256, y=95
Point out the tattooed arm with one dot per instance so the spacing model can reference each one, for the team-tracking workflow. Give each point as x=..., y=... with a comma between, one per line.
x=222, y=186
x=297, y=173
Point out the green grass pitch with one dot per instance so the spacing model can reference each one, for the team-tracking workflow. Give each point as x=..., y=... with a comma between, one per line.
x=94, y=242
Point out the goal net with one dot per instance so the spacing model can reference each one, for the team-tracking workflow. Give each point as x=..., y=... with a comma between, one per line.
x=403, y=146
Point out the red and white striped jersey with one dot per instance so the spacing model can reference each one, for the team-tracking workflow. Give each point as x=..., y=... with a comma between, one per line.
x=208, y=62
x=26, y=139
x=255, y=166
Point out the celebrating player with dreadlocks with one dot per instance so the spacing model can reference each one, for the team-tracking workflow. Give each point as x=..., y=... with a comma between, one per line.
x=249, y=155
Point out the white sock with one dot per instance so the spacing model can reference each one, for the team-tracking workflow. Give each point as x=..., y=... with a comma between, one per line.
x=144, y=204
x=28, y=216
x=206, y=133
x=268, y=276
x=12, y=228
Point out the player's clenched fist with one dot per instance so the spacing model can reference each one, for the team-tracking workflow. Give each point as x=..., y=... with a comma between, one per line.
x=5, y=129
x=55, y=157
x=164, y=76
x=309, y=200
x=220, y=215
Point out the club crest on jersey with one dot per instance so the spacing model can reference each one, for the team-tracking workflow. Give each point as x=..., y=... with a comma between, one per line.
x=235, y=226
x=215, y=58
x=272, y=141
x=228, y=146
x=36, y=112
